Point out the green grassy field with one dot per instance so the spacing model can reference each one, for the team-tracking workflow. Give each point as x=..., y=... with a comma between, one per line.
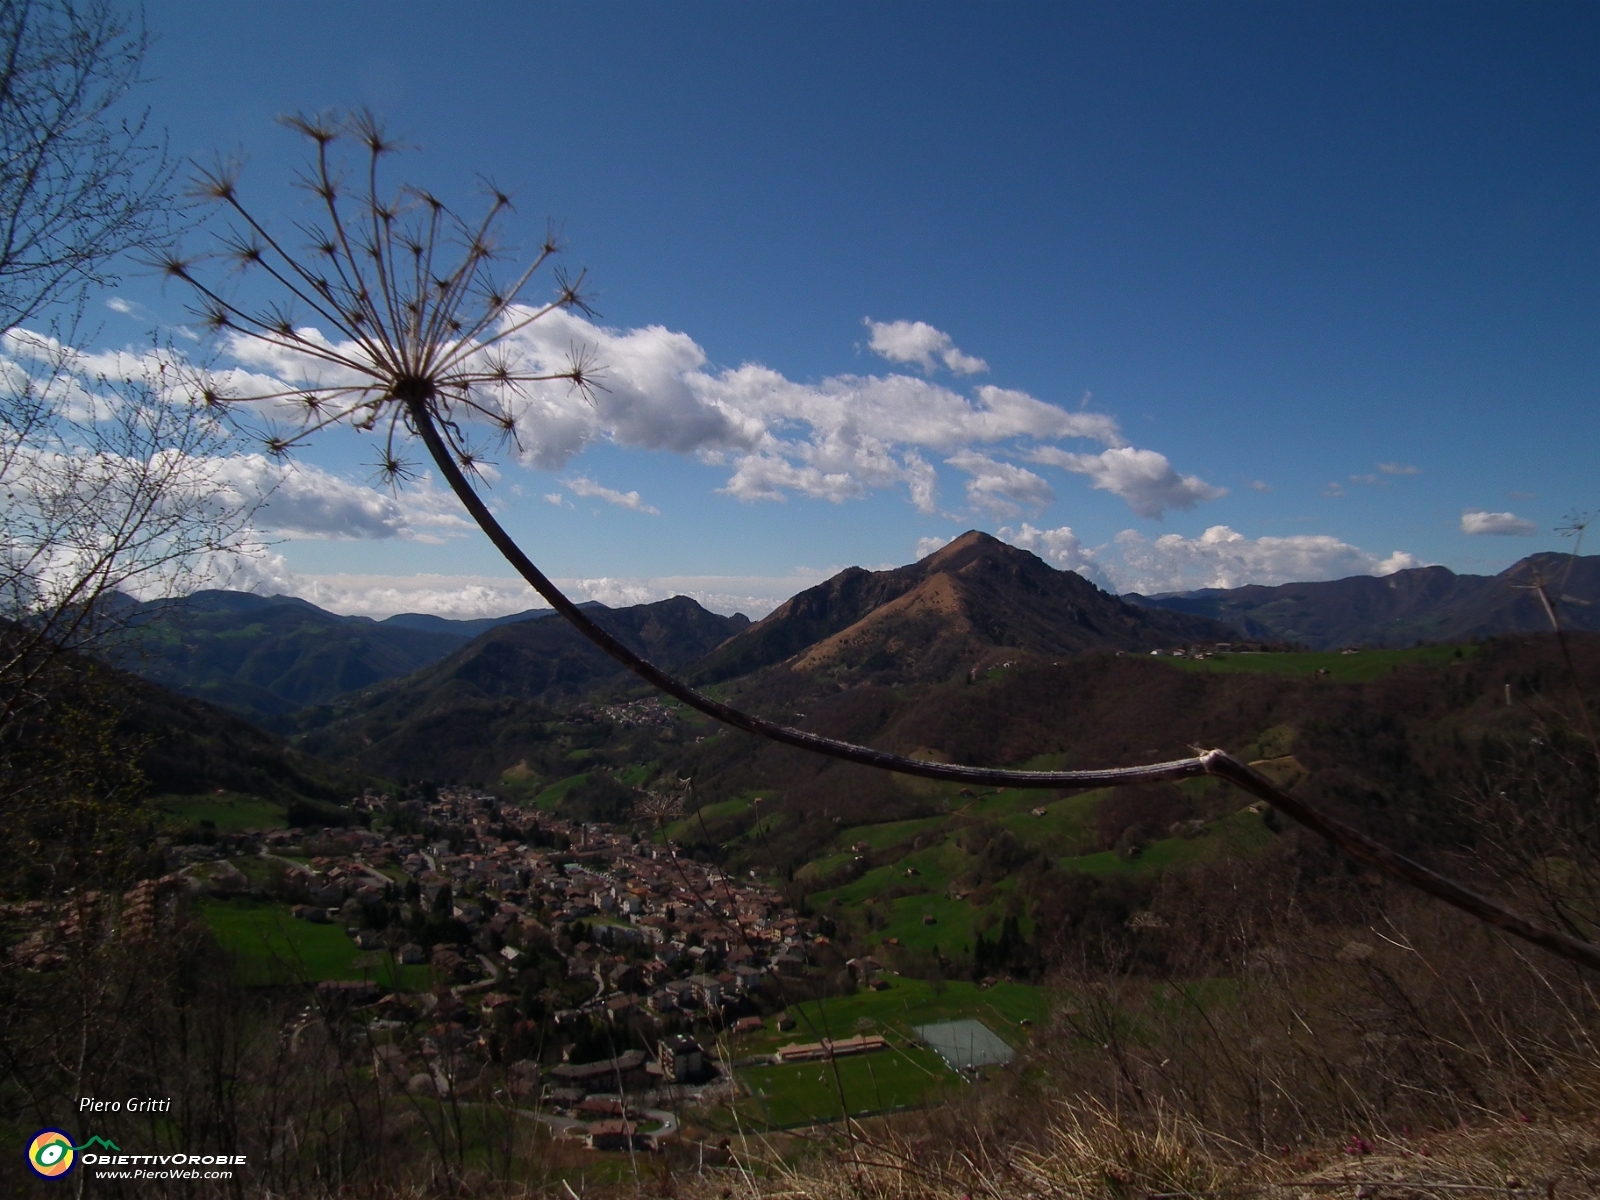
x=907, y=1074
x=635, y=775
x=1064, y=831
x=821, y=868
x=1237, y=833
x=1064, y=825
x=229, y=812
x=551, y=796
x=955, y=925
x=805, y=1093
x=892, y=833
x=272, y=947
x=1342, y=668
x=697, y=824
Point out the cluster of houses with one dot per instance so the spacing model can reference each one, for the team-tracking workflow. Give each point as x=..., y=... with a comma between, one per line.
x=649, y=713
x=660, y=930
x=647, y=937
x=1209, y=650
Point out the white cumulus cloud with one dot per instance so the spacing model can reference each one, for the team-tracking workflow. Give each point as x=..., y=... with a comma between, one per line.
x=1144, y=478
x=301, y=501
x=1223, y=558
x=1001, y=488
x=836, y=438
x=832, y=439
x=1503, y=524
x=582, y=485
x=920, y=343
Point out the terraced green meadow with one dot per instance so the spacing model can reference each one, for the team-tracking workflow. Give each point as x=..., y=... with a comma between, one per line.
x=271, y=948
x=902, y=895
x=227, y=812
x=550, y=797
x=1341, y=667
x=707, y=819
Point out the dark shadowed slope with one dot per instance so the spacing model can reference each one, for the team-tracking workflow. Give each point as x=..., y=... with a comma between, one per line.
x=461, y=717
x=264, y=656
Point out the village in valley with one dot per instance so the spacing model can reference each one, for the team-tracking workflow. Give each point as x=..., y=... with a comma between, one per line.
x=602, y=980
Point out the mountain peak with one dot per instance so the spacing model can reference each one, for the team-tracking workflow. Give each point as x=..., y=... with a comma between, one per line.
x=972, y=539
x=968, y=602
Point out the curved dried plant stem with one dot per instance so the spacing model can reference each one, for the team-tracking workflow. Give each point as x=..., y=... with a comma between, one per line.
x=1211, y=762
x=422, y=382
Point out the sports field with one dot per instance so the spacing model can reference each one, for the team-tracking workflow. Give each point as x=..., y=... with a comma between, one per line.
x=903, y=1076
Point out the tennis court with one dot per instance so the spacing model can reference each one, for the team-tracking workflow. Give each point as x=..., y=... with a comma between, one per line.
x=965, y=1044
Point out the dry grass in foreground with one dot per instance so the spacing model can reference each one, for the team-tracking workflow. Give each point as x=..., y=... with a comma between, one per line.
x=1084, y=1151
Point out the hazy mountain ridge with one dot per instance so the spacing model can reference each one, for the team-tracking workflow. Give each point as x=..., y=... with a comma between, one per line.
x=472, y=709
x=267, y=656
x=1429, y=604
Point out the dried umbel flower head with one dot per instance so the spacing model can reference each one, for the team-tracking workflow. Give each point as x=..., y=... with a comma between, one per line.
x=389, y=305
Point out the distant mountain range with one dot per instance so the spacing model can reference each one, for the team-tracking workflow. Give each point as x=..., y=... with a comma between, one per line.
x=266, y=656
x=418, y=696
x=1425, y=604
x=525, y=703
x=498, y=703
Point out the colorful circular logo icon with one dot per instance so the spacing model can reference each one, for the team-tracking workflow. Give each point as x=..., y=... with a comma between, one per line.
x=51, y=1154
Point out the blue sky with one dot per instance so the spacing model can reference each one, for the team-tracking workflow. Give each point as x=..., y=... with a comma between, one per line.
x=1334, y=265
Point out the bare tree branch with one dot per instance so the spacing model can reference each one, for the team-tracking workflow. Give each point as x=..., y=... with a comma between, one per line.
x=79, y=185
